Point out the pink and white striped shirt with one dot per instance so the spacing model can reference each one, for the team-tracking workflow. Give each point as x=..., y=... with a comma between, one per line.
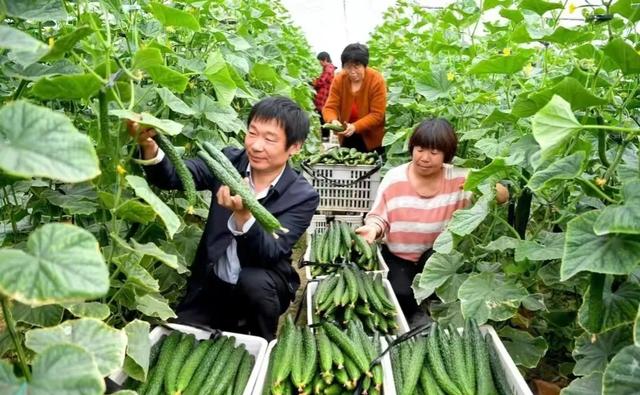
x=411, y=222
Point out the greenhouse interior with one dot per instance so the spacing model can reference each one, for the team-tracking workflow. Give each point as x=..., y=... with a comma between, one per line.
x=284, y=197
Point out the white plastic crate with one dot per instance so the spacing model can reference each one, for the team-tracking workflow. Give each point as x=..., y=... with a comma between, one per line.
x=403, y=325
x=517, y=385
x=256, y=346
x=388, y=387
x=338, y=189
x=319, y=226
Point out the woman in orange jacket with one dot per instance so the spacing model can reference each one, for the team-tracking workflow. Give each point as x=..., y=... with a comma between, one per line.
x=357, y=99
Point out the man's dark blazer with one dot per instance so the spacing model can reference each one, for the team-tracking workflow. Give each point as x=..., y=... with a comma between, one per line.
x=293, y=201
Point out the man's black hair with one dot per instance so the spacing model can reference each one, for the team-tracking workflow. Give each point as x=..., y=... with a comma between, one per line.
x=324, y=56
x=287, y=113
x=355, y=53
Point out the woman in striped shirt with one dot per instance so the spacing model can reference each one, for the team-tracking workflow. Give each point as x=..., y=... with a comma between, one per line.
x=414, y=203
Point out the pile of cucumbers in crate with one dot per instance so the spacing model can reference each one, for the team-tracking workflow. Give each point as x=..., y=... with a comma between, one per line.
x=180, y=364
x=329, y=361
x=355, y=295
x=340, y=243
x=447, y=362
x=343, y=156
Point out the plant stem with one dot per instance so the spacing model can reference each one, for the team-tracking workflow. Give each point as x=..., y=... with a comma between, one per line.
x=597, y=190
x=20, y=89
x=613, y=128
x=11, y=326
x=509, y=227
x=616, y=160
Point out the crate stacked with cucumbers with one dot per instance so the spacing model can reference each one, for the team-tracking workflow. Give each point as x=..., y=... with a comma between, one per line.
x=447, y=362
x=180, y=364
x=339, y=244
x=325, y=360
x=352, y=295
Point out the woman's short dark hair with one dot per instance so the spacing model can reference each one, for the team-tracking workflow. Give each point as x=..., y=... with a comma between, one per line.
x=435, y=134
x=324, y=56
x=355, y=53
x=287, y=113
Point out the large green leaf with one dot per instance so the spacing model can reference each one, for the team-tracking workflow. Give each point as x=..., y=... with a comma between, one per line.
x=496, y=170
x=23, y=49
x=545, y=247
x=106, y=344
x=218, y=74
x=96, y=310
x=61, y=263
x=36, y=10
x=488, y=295
x=625, y=56
x=438, y=270
x=167, y=126
x=168, y=77
x=137, y=276
x=444, y=243
x=621, y=218
x=150, y=249
x=540, y=6
x=619, y=307
x=592, y=353
x=48, y=315
x=524, y=349
x=170, y=219
x=135, y=211
x=155, y=306
x=72, y=204
x=173, y=102
x=67, y=87
x=433, y=85
x=65, y=43
x=622, y=375
x=37, y=142
x=170, y=16
x=587, y=385
x=554, y=125
x=146, y=57
x=586, y=251
x=627, y=8
x=562, y=35
x=501, y=64
x=466, y=221
x=64, y=369
x=138, y=348
x=566, y=168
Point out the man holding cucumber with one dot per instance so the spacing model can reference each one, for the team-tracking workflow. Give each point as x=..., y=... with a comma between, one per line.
x=241, y=272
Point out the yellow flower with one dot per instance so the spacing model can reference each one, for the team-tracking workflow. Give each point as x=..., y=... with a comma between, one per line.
x=451, y=76
x=527, y=69
x=506, y=52
x=51, y=42
x=601, y=182
x=170, y=29
x=121, y=170
x=190, y=210
x=572, y=8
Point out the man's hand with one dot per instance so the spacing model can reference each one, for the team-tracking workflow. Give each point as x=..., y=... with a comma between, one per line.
x=368, y=232
x=234, y=203
x=144, y=136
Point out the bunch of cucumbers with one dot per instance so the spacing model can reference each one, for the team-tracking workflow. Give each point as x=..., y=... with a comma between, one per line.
x=180, y=364
x=343, y=156
x=340, y=244
x=329, y=361
x=448, y=363
x=354, y=295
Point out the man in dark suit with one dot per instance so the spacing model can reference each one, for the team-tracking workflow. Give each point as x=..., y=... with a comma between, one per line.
x=241, y=272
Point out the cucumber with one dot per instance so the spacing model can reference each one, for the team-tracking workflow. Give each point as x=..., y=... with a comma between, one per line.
x=200, y=375
x=324, y=355
x=428, y=382
x=262, y=216
x=437, y=366
x=499, y=378
x=284, y=352
x=244, y=372
x=336, y=355
x=297, y=361
x=228, y=371
x=186, y=178
x=484, y=385
x=190, y=365
x=347, y=346
x=164, y=359
x=458, y=362
x=310, y=356
x=412, y=374
x=216, y=372
x=469, y=356
x=178, y=359
x=352, y=285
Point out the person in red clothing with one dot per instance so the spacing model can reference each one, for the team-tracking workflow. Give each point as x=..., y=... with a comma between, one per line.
x=322, y=85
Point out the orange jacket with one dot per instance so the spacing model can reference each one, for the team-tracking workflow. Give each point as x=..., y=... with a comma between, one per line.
x=371, y=101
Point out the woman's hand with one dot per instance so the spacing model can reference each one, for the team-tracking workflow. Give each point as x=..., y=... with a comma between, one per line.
x=349, y=130
x=368, y=232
